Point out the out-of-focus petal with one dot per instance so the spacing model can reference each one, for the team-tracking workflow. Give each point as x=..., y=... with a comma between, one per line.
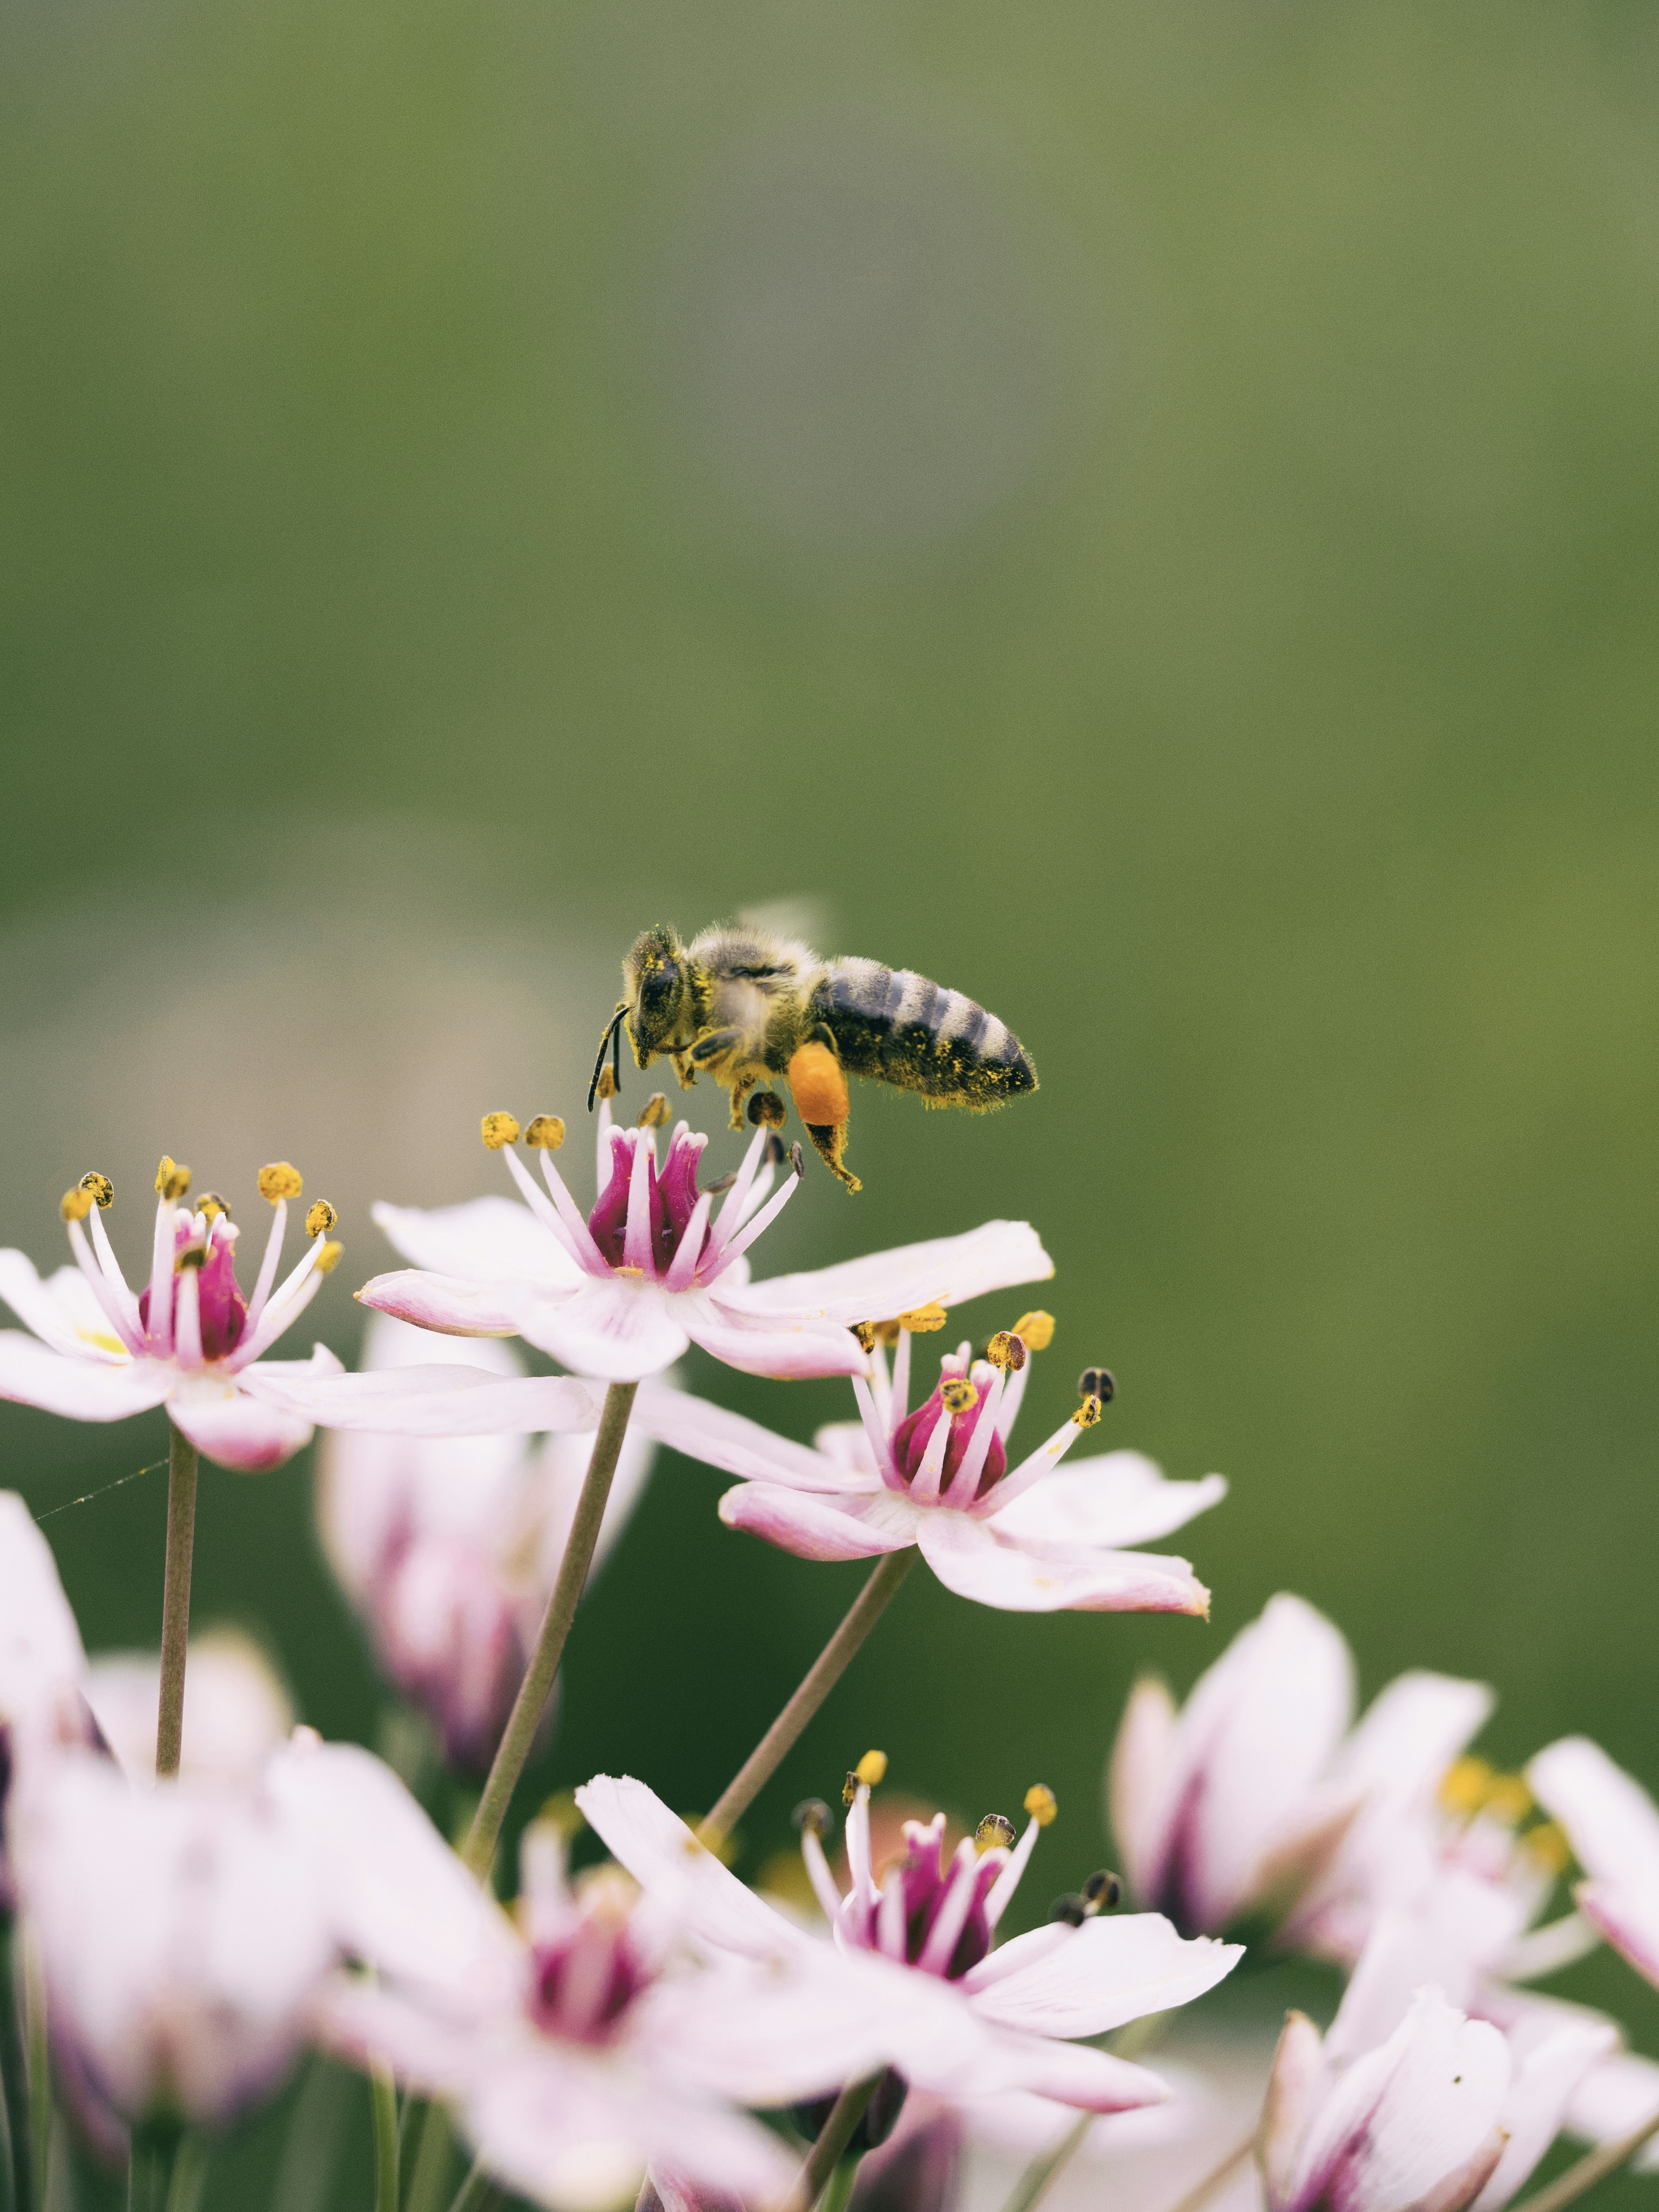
x=619, y=1330
x=42, y=1663
x=1611, y=1821
x=234, y=1428
x=449, y=1304
x=82, y=1389
x=1070, y=2073
x=1629, y=1918
x=818, y=1528
x=490, y=1240
x=1294, y=2086
x=236, y=1711
x=738, y=1446
x=1137, y=1797
x=62, y=1311
x=442, y=1400
x=1540, y=2087
x=1118, y=1499
x=665, y=1858
x=945, y=1269
x=1411, y=1732
x=968, y=1558
x=1107, y=1972
x=1617, y=2095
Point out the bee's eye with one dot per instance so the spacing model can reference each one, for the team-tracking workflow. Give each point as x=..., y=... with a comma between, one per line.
x=659, y=987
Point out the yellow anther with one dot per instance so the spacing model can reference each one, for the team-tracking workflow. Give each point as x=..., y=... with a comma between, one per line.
x=887, y=1332
x=1087, y=1414
x=994, y=1832
x=102, y=1190
x=280, y=1180
x=1509, y=1800
x=1466, y=1784
x=1036, y=1330
x=655, y=1111
x=606, y=1085
x=545, y=1134
x=320, y=1218
x=1041, y=1804
x=1547, y=1845
x=924, y=1319
x=1006, y=1351
x=212, y=1206
x=172, y=1180
x=498, y=1131
x=958, y=1395
x=193, y=1255
x=871, y=1769
x=560, y=1811
x=866, y=1333
x=75, y=1204
x=328, y=1258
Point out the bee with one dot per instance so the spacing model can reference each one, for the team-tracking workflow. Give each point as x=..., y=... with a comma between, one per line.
x=746, y=1008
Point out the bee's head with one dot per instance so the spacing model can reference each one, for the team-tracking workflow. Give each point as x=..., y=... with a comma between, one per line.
x=658, y=980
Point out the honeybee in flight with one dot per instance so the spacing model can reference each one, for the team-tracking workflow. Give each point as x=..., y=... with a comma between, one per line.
x=747, y=1006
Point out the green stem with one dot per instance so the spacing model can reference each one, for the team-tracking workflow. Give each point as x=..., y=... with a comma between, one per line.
x=429, y=2171
x=514, y=1750
x=475, y=2192
x=175, y=1599
x=15, y=2078
x=827, y=2153
x=839, y=2194
x=39, y=2059
x=189, y=2173
x=826, y=1670
x=1034, y=2184
x=149, y=2163
x=1588, y=2171
x=383, y=2103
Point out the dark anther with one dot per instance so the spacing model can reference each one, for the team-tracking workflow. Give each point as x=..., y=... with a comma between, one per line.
x=773, y=1151
x=811, y=1817
x=849, y=1789
x=1102, y=1892
x=796, y=1160
x=721, y=1182
x=1097, y=1382
x=766, y=1106
x=995, y=1829
x=1073, y=1909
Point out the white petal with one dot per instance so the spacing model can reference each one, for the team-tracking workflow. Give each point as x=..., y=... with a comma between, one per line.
x=41, y=1661
x=620, y=1331
x=1109, y=1971
x=1614, y=2097
x=1118, y=1499
x=1611, y=1821
x=494, y=1241
x=1411, y=1732
x=62, y=1311
x=442, y=1400
x=968, y=1558
x=1542, y=2083
x=814, y=1527
x=737, y=1446
x=1138, y=1795
x=667, y=1861
x=236, y=1711
x=945, y=1269
x=451, y=1304
x=390, y=1343
x=787, y=1347
x=236, y=1428
x=83, y=1389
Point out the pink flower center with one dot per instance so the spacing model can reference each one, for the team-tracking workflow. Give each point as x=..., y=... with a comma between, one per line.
x=586, y=1982
x=927, y=1876
x=913, y=1435
x=672, y=1192
x=223, y=1308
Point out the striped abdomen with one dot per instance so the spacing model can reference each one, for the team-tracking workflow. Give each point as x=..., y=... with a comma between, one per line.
x=897, y=1026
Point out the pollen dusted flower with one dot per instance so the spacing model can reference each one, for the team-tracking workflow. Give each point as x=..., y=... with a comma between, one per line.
x=448, y=1547
x=192, y=1341
x=652, y=1268
x=1021, y=1537
x=591, y=2048
x=913, y=1955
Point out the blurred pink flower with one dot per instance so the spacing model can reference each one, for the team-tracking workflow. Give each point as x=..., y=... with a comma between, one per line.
x=912, y=1961
x=1613, y=1825
x=621, y=1293
x=1022, y=1537
x=449, y=1546
x=191, y=1341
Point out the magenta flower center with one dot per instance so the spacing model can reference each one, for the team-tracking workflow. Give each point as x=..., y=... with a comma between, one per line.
x=586, y=1982
x=926, y=1876
x=223, y=1308
x=672, y=1196
x=913, y=1435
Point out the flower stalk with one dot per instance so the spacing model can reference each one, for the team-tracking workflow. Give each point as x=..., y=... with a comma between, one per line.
x=1040, y=2175
x=175, y=1599
x=383, y=2102
x=827, y=2153
x=826, y=1670
x=513, y=1751
x=1596, y=2167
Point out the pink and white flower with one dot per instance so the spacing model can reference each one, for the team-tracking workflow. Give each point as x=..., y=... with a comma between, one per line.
x=43, y=1665
x=449, y=1546
x=1613, y=1825
x=621, y=1292
x=237, y=1713
x=591, y=2048
x=912, y=1957
x=1021, y=1537
x=192, y=1341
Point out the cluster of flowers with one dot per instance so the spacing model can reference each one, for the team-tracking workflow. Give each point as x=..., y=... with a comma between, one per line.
x=653, y=2026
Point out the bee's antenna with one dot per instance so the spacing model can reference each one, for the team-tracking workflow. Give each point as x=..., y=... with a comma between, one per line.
x=612, y=1042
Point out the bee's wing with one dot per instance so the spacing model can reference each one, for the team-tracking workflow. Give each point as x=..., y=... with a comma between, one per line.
x=809, y=918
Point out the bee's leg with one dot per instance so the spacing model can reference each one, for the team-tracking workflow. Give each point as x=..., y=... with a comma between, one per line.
x=683, y=1067
x=740, y=1090
x=830, y=1142
x=712, y=1045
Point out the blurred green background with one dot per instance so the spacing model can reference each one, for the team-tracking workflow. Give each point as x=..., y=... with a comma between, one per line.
x=1145, y=512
